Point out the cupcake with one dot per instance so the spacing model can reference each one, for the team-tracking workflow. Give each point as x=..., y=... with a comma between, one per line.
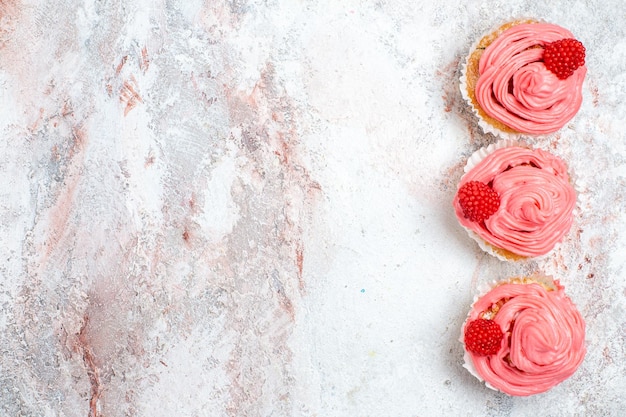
x=524, y=336
x=524, y=78
x=515, y=201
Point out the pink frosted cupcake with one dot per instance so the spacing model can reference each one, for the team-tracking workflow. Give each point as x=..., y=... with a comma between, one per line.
x=524, y=336
x=515, y=201
x=517, y=80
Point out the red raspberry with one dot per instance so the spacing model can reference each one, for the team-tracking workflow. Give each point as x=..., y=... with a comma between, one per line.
x=564, y=56
x=483, y=337
x=478, y=200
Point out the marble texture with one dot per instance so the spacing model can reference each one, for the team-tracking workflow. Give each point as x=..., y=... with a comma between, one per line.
x=243, y=208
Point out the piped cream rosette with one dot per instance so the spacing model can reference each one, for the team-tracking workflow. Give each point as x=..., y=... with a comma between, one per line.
x=509, y=88
x=536, y=200
x=544, y=336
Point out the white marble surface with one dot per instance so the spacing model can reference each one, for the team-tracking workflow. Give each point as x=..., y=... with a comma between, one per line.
x=243, y=208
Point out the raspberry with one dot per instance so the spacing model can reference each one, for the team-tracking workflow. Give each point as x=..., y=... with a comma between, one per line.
x=483, y=337
x=564, y=56
x=478, y=200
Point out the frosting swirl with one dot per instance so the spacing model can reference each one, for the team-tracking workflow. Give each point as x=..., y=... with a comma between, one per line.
x=516, y=88
x=543, y=343
x=536, y=200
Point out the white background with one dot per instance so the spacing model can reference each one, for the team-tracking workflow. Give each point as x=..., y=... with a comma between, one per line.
x=243, y=208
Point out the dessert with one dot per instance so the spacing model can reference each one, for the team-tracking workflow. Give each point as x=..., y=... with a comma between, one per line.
x=515, y=201
x=525, y=78
x=524, y=336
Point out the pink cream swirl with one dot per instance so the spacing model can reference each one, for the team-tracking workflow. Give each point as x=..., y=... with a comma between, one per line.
x=536, y=200
x=516, y=88
x=543, y=341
